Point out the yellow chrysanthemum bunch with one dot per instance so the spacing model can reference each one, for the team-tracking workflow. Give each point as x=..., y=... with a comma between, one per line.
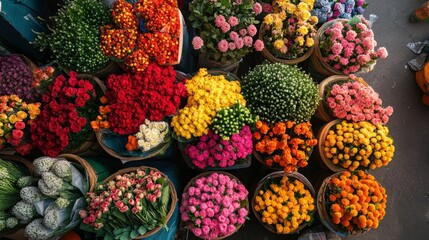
x=286, y=205
x=207, y=95
x=290, y=29
x=359, y=144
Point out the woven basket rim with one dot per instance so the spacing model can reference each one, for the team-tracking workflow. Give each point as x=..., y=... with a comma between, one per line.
x=92, y=174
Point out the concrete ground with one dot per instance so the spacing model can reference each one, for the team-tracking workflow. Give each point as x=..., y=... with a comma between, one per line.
x=406, y=177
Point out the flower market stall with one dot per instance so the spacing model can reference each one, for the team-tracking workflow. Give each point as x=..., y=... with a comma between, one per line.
x=263, y=144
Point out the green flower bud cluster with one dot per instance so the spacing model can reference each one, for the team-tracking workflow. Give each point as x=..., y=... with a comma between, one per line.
x=74, y=40
x=278, y=92
x=231, y=120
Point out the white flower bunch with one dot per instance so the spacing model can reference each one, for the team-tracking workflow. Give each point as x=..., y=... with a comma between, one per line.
x=24, y=211
x=11, y=222
x=36, y=230
x=31, y=194
x=51, y=219
x=62, y=169
x=43, y=164
x=151, y=134
x=26, y=181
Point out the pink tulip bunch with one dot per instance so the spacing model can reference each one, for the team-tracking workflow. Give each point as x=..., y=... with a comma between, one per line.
x=214, y=206
x=356, y=102
x=350, y=46
x=212, y=151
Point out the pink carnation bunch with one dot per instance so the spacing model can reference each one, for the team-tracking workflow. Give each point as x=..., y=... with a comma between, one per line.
x=350, y=46
x=212, y=151
x=212, y=206
x=356, y=102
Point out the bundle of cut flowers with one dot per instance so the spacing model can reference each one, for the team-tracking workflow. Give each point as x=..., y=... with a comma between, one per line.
x=43, y=77
x=326, y=10
x=68, y=106
x=286, y=145
x=14, y=179
x=353, y=145
x=214, y=205
x=214, y=123
x=284, y=204
x=130, y=205
x=55, y=203
x=349, y=46
x=16, y=117
x=74, y=36
x=278, y=92
x=289, y=31
x=132, y=98
x=142, y=32
x=15, y=77
x=353, y=101
x=225, y=28
x=150, y=135
x=354, y=201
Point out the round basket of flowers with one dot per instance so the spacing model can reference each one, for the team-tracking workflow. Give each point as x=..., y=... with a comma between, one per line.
x=225, y=31
x=289, y=32
x=283, y=138
x=133, y=121
x=214, y=205
x=213, y=129
x=345, y=47
x=284, y=202
x=143, y=32
x=326, y=10
x=68, y=106
x=351, y=203
x=345, y=145
x=350, y=98
x=139, y=200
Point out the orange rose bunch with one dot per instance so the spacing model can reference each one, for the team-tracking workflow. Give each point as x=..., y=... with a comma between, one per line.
x=141, y=32
x=355, y=201
x=285, y=144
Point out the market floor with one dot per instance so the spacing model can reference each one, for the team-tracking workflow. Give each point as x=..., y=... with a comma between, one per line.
x=405, y=178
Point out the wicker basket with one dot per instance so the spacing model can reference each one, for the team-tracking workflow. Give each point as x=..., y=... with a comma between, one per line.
x=281, y=174
x=92, y=175
x=173, y=194
x=206, y=174
x=324, y=214
x=272, y=58
x=322, y=112
x=12, y=158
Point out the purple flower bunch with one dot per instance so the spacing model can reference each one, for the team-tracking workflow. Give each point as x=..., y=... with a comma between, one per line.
x=15, y=77
x=212, y=151
x=326, y=10
x=356, y=102
x=214, y=206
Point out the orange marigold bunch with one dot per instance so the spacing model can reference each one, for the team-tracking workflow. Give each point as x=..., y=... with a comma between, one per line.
x=167, y=20
x=137, y=61
x=285, y=144
x=355, y=201
x=101, y=121
x=123, y=15
x=117, y=43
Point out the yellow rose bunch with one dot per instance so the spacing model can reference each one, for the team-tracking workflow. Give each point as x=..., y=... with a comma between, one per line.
x=290, y=29
x=285, y=205
x=359, y=144
x=207, y=95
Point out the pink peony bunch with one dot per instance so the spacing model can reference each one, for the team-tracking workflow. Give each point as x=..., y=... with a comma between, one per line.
x=212, y=151
x=350, y=46
x=213, y=206
x=357, y=102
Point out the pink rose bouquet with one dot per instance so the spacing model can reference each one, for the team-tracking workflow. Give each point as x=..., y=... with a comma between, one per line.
x=225, y=29
x=214, y=205
x=211, y=150
x=356, y=102
x=349, y=46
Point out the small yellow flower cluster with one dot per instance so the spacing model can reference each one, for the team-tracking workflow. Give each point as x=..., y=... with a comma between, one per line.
x=354, y=144
x=285, y=205
x=291, y=22
x=207, y=95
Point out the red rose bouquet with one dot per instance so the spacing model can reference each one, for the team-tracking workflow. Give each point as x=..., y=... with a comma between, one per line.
x=67, y=106
x=15, y=118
